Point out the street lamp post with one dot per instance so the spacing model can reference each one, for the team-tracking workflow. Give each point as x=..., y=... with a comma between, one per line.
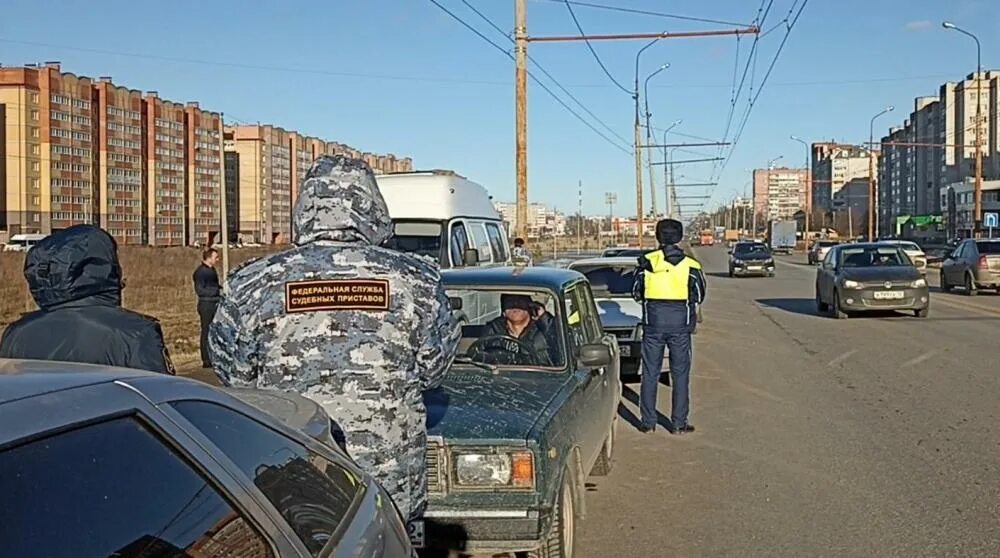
x=638, y=144
x=978, y=192
x=872, y=192
x=808, y=188
x=668, y=207
x=649, y=132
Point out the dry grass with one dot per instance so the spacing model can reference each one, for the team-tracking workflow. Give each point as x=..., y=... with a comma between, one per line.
x=159, y=284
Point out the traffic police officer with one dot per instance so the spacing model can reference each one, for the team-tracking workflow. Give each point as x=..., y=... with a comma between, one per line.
x=670, y=285
x=361, y=329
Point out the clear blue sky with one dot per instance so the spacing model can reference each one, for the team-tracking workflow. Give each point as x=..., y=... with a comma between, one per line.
x=402, y=76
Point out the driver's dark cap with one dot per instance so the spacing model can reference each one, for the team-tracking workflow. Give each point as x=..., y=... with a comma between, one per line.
x=519, y=301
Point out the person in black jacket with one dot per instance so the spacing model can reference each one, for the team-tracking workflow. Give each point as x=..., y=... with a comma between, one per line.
x=517, y=322
x=206, y=286
x=76, y=280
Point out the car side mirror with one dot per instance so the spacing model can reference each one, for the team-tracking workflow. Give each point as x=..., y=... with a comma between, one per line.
x=456, y=302
x=470, y=257
x=595, y=356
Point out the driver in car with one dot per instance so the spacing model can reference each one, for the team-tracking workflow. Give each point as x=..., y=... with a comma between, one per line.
x=532, y=345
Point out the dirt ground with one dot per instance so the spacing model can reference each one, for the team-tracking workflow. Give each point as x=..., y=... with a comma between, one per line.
x=158, y=283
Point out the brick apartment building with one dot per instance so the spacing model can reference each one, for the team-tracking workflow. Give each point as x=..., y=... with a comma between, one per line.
x=148, y=170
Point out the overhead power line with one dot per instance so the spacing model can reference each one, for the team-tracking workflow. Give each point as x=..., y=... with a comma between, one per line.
x=541, y=68
x=579, y=28
x=532, y=76
x=647, y=13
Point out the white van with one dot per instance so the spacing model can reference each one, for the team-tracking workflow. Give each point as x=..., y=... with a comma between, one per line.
x=22, y=242
x=445, y=216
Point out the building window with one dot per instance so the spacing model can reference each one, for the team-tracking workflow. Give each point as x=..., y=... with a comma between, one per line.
x=34, y=115
x=35, y=166
x=35, y=150
x=34, y=98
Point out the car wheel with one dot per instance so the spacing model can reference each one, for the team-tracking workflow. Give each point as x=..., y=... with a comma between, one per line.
x=820, y=305
x=837, y=312
x=970, y=285
x=922, y=313
x=945, y=287
x=562, y=536
x=604, y=461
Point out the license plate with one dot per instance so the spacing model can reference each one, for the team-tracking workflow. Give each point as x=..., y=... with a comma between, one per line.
x=626, y=350
x=888, y=295
x=415, y=529
x=754, y=268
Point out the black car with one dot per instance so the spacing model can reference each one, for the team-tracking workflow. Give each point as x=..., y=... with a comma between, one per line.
x=870, y=277
x=751, y=258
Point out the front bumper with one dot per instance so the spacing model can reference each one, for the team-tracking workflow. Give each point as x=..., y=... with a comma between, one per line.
x=864, y=300
x=753, y=269
x=485, y=531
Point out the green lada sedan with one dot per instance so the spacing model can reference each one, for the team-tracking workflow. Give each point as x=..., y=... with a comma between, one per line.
x=526, y=413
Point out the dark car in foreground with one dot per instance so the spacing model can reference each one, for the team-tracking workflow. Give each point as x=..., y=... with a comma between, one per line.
x=973, y=265
x=99, y=461
x=518, y=425
x=751, y=258
x=867, y=277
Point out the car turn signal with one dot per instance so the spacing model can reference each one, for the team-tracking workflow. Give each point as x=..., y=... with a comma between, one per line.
x=523, y=470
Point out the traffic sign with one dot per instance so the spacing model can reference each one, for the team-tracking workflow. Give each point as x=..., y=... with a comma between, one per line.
x=991, y=219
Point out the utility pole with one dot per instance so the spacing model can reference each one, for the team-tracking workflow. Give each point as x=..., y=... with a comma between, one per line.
x=521, y=118
x=610, y=198
x=579, y=218
x=638, y=167
x=978, y=192
x=223, y=203
x=872, y=191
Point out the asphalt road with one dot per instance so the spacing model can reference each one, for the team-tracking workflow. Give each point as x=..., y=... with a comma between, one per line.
x=872, y=436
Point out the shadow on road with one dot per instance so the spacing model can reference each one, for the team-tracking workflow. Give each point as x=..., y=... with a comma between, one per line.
x=804, y=306
x=629, y=417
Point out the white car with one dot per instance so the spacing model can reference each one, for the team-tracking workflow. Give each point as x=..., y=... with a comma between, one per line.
x=913, y=251
x=611, y=280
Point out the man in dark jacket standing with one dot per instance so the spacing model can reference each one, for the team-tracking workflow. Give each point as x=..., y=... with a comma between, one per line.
x=670, y=285
x=76, y=280
x=206, y=286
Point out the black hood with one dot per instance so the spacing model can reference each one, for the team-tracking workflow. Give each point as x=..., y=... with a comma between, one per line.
x=673, y=254
x=76, y=264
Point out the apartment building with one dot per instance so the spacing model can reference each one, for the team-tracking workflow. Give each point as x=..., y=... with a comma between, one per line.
x=205, y=167
x=779, y=193
x=913, y=178
x=166, y=171
x=148, y=170
x=835, y=166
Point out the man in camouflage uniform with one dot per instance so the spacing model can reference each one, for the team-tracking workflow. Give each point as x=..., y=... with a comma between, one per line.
x=360, y=329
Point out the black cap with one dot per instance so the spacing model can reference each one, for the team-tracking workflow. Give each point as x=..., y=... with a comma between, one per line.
x=669, y=231
x=509, y=301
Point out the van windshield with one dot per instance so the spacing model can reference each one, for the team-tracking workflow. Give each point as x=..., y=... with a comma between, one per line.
x=416, y=237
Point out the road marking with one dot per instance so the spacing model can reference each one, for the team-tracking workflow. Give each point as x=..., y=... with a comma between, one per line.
x=948, y=301
x=918, y=360
x=841, y=358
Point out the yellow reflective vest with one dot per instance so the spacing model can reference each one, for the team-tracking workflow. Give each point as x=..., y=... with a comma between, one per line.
x=667, y=281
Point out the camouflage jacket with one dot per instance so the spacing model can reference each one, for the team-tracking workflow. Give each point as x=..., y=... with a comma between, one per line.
x=360, y=329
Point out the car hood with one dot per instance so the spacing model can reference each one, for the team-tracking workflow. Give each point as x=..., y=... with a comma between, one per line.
x=897, y=273
x=619, y=312
x=474, y=404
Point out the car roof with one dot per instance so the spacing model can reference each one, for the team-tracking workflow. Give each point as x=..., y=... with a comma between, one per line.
x=512, y=276
x=23, y=379
x=29, y=378
x=865, y=245
x=607, y=261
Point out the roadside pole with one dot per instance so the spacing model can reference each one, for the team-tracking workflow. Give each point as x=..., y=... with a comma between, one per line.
x=223, y=203
x=521, y=118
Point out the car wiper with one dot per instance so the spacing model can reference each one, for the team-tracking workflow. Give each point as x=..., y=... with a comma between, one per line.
x=481, y=365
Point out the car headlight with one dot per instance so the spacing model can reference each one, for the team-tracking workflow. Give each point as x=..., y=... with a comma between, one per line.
x=848, y=284
x=919, y=283
x=737, y=261
x=515, y=469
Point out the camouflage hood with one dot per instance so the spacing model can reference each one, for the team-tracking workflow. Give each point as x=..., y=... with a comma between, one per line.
x=340, y=201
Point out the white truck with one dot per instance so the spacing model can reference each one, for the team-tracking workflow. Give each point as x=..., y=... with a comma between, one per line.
x=782, y=236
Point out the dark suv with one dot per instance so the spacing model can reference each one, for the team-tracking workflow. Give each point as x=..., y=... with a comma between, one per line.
x=975, y=264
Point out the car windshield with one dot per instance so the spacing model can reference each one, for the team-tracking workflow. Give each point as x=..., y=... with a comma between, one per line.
x=609, y=280
x=873, y=256
x=751, y=251
x=416, y=238
x=989, y=248
x=622, y=253
x=910, y=247
x=510, y=328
